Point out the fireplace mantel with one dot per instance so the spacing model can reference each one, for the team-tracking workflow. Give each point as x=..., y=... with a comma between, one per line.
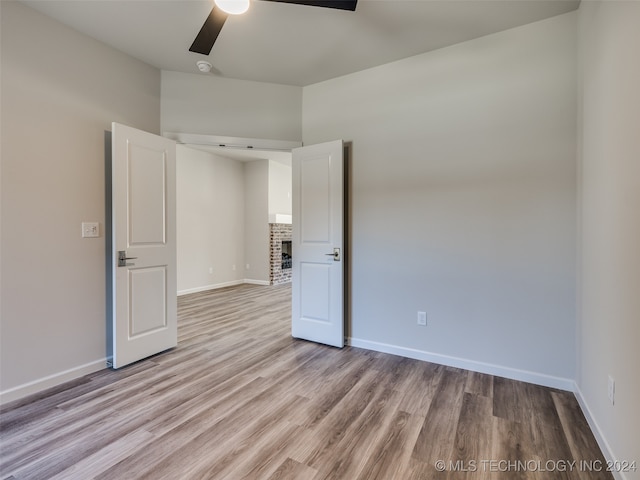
x=280, y=218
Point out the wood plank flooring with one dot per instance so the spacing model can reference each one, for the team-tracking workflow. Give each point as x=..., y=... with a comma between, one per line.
x=239, y=398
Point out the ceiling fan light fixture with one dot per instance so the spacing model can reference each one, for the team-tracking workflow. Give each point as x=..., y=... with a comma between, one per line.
x=233, y=7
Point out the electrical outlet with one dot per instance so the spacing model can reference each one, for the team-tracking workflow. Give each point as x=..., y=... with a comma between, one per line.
x=248, y=267
x=611, y=390
x=422, y=318
x=233, y=267
x=210, y=270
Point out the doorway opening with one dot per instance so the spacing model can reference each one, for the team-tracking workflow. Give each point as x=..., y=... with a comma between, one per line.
x=230, y=200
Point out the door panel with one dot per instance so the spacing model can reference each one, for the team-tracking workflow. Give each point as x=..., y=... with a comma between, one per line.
x=148, y=292
x=142, y=227
x=315, y=205
x=317, y=276
x=147, y=195
x=315, y=283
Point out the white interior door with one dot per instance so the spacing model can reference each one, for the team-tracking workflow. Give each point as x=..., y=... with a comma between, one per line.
x=142, y=245
x=317, y=242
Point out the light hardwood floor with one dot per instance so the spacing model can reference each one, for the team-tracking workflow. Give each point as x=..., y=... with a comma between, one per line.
x=239, y=398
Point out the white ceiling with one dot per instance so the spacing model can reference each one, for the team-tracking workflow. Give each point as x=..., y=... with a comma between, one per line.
x=293, y=44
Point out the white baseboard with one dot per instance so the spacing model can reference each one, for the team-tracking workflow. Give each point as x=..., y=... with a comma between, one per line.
x=222, y=285
x=257, y=282
x=481, y=367
x=597, y=432
x=210, y=287
x=35, y=386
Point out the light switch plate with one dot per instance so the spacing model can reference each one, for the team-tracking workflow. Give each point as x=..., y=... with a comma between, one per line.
x=90, y=229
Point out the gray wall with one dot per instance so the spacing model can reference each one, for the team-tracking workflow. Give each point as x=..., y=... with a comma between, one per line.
x=209, y=105
x=279, y=188
x=464, y=200
x=210, y=212
x=256, y=214
x=223, y=218
x=56, y=105
x=609, y=295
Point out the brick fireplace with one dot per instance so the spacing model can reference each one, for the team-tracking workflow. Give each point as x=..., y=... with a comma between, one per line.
x=280, y=253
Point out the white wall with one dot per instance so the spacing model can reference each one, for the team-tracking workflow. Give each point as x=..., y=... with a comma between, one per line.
x=463, y=200
x=210, y=212
x=223, y=216
x=279, y=188
x=257, y=220
x=210, y=105
x=609, y=334
x=60, y=91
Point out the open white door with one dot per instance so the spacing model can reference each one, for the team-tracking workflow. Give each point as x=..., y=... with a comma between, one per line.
x=317, y=242
x=141, y=245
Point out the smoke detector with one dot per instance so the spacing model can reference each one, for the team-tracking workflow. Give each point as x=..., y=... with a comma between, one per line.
x=204, y=67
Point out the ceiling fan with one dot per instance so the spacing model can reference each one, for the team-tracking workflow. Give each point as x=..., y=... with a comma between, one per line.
x=213, y=24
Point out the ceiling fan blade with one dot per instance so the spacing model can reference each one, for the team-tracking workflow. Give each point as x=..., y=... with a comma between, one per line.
x=339, y=4
x=209, y=32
